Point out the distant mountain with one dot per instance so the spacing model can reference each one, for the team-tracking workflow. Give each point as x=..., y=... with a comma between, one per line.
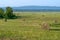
x=36, y=8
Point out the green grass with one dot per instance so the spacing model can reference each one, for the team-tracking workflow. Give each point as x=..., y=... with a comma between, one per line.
x=27, y=26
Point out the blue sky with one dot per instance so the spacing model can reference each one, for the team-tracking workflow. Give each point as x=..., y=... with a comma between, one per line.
x=4, y=3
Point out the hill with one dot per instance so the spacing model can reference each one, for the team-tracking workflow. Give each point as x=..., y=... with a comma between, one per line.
x=36, y=8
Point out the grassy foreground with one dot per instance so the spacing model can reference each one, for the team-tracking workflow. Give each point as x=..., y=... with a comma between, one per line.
x=27, y=26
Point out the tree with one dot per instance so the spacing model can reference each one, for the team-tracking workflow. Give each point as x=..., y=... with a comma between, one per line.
x=9, y=13
x=5, y=17
x=1, y=13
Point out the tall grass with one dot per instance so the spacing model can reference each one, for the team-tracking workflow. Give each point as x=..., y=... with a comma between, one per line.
x=28, y=26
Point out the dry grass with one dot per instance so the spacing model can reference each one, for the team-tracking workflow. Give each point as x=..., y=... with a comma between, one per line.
x=28, y=26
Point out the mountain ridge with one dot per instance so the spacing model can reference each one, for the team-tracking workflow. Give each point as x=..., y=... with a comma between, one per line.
x=36, y=8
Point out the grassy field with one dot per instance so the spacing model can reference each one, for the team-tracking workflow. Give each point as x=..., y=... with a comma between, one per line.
x=28, y=26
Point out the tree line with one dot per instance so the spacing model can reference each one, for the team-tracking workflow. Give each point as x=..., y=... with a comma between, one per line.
x=7, y=13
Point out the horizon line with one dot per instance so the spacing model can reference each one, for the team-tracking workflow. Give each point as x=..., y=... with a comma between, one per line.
x=28, y=5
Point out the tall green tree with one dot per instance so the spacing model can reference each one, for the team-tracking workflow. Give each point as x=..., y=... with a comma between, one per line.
x=9, y=12
x=1, y=13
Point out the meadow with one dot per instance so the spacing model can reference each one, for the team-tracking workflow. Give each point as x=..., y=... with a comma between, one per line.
x=28, y=26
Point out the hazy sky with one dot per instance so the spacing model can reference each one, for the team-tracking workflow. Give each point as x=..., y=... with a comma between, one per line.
x=29, y=2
